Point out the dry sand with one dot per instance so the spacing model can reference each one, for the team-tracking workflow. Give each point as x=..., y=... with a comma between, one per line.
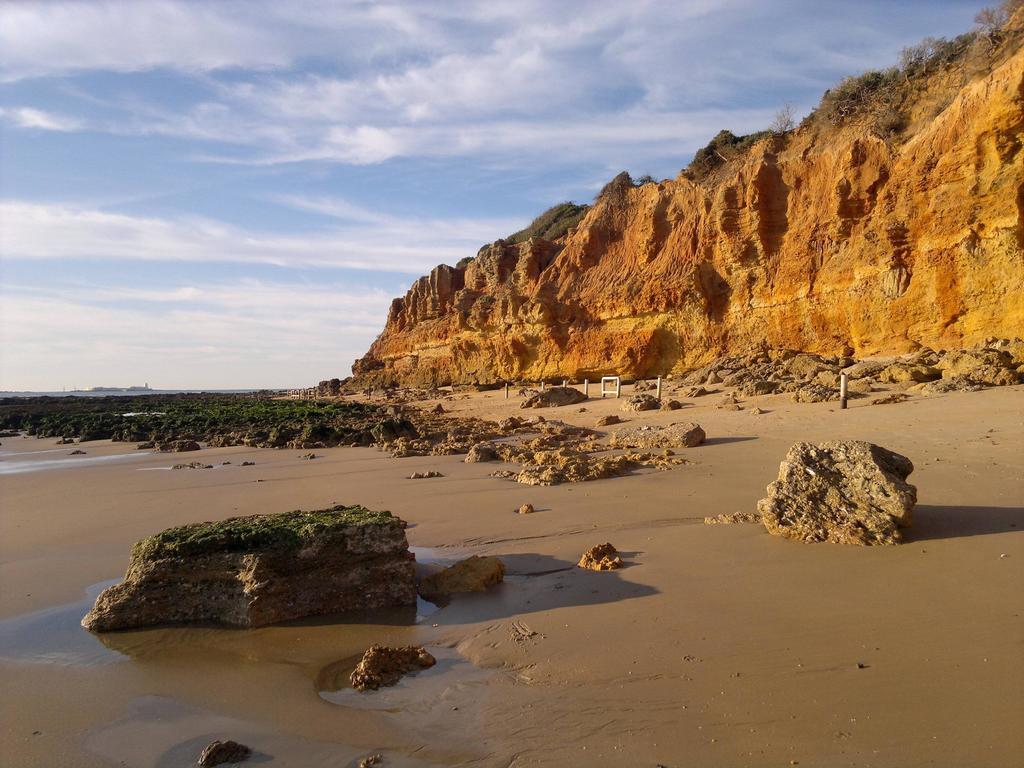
x=715, y=646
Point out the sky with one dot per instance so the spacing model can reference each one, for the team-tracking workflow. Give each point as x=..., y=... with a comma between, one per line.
x=228, y=194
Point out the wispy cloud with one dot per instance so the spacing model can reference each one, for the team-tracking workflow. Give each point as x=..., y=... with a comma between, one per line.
x=377, y=242
x=27, y=117
x=362, y=83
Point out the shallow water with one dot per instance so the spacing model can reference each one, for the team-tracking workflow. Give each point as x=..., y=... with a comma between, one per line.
x=9, y=467
x=55, y=635
x=415, y=691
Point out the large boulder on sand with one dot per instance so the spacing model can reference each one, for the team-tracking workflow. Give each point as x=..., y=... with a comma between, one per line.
x=481, y=452
x=650, y=437
x=262, y=569
x=641, y=403
x=554, y=396
x=847, y=492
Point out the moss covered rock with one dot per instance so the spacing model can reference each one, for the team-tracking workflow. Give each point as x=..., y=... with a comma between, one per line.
x=261, y=569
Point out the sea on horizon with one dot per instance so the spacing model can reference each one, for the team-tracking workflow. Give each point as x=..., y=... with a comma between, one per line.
x=135, y=393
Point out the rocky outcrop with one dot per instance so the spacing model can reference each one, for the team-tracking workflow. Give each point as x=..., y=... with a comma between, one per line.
x=262, y=569
x=554, y=396
x=650, y=437
x=829, y=239
x=179, y=446
x=474, y=574
x=481, y=452
x=848, y=492
x=382, y=666
x=640, y=402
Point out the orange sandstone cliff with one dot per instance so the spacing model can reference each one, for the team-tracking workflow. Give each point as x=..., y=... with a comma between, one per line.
x=826, y=238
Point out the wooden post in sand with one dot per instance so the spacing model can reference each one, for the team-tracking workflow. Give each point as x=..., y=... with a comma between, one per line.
x=659, y=387
x=586, y=388
x=565, y=383
x=542, y=386
x=842, y=391
x=506, y=390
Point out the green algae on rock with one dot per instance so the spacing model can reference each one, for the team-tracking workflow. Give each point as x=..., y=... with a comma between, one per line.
x=262, y=569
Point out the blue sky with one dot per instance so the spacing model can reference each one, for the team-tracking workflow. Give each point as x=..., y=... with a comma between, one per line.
x=228, y=194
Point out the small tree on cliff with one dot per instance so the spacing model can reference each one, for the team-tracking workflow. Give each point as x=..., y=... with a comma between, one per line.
x=784, y=121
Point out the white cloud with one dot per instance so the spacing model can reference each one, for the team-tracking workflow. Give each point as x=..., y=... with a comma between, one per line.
x=363, y=82
x=27, y=117
x=377, y=242
x=250, y=334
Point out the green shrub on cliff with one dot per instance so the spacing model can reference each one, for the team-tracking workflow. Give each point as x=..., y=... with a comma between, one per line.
x=551, y=224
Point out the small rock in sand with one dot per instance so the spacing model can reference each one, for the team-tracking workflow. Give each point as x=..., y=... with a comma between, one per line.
x=733, y=518
x=308, y=456
x=77, y=452
x=248, y=463
x=219, y=752
x=894, y=397
x=425, y=475
x=371, y=760
x=382, y=665
x=526, y=509
x=607, y=421
x=474, y=574
x=671, y=405
x=603, y=557
x=193, y=465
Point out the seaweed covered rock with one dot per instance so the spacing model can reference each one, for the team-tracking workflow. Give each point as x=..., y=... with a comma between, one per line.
x=846, y=492
x=261, y=569
x=179, y=446
x=382, y=665
x=386, y=430
x=474, y=574
x=554, y=396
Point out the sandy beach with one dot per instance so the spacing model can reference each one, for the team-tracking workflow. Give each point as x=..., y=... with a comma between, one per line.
x=716, y=645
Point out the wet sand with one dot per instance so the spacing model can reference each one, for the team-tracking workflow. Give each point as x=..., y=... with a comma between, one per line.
x=717, y=645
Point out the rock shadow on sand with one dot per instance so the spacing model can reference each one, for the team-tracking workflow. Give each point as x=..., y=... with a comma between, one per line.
x=933, y=522
x=535, y=582
x=727, y=440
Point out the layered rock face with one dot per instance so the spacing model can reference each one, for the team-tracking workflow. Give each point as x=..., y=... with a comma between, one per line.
x=827, y=239
x=252, y=571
